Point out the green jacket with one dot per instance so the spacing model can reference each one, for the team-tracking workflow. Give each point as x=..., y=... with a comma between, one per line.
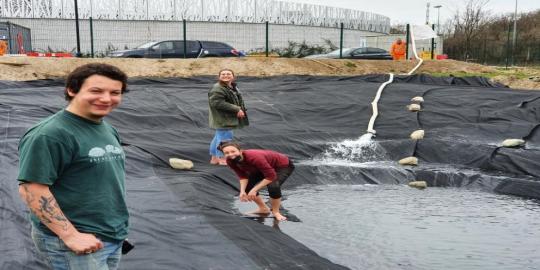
x=224, y=103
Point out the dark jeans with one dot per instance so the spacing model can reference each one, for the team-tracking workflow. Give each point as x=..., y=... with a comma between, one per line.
x=274, y=188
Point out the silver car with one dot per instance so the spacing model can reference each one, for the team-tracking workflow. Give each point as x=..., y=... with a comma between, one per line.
x=356, y=53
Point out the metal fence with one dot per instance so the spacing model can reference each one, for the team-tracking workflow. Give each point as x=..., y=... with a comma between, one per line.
x=53, y=35
x=499, y=52
x=496, y=43
x=247, y=25
x=59, y=35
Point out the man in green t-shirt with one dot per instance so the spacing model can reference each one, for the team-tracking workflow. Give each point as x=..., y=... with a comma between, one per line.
x=71, y=174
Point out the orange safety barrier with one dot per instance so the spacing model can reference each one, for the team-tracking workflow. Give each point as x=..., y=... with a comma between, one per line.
x=38, y=54
x=20, y=43
x=442, y=56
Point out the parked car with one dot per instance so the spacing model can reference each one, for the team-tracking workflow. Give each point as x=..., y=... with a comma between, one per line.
x=175, y=49
x=356, y=53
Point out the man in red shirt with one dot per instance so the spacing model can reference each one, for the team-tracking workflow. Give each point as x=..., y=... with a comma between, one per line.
x=257, y=168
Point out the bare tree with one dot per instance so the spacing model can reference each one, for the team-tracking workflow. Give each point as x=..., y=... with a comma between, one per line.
x=398, y=28
x=468, y=23
x=480, y=37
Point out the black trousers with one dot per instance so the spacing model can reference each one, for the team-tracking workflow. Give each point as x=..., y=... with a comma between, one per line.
x=274, y=188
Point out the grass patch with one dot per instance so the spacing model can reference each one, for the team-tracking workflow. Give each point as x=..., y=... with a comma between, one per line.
x=350, y=64
x=464, y=74
x=512, y=73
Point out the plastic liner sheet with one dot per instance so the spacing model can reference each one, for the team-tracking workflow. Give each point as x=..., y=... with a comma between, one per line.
x=186, y=219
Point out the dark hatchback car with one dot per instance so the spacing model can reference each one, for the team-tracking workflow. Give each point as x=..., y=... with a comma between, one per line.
x=356, y=53
x=175, y=49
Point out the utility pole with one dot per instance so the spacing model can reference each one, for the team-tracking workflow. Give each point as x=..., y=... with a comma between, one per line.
x=438, y=7
x=77, y=29
x=514, y=35
x=427, y=13
x=91, y=21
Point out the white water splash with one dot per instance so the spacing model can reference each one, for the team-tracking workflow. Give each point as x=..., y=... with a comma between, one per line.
x=361, y=150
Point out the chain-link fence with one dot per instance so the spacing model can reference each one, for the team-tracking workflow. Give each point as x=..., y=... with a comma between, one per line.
x=251, y=26
x=500, y=52
x=101, y=37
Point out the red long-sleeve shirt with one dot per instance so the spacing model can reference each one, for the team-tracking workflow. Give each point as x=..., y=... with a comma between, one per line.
x=258, y=160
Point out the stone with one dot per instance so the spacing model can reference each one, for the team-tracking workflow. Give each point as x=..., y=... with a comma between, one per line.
x=418, y=184
x=417, y=134
x=513, y=142
x=414, y=107
x=409, y=161
x=417, y=99
x=181, y=164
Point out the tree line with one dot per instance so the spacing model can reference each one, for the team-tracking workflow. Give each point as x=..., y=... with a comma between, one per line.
x=473, y=34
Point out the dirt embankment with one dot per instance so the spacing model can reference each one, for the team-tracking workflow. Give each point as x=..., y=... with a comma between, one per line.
x=32, y=68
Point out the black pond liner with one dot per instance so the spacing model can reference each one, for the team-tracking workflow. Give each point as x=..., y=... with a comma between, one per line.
x=187, y=220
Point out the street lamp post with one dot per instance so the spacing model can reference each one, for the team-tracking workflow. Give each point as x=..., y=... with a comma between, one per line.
x=514, y=35
x=427, y=13
x=438, y=7
x=78, y=54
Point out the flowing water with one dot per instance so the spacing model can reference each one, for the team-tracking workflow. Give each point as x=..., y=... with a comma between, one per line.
x=397, y=227
x=362, y=150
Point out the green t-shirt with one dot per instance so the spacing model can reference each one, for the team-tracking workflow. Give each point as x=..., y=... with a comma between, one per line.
x=82, y=162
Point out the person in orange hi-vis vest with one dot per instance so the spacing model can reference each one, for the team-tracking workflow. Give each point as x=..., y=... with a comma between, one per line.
x=3, y=47
x=398, y=50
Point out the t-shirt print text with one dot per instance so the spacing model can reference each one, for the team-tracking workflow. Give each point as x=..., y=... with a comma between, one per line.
x=110, y=153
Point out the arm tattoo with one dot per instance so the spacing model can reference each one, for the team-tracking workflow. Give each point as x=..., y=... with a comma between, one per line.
x=49, y=211
x=49, y=206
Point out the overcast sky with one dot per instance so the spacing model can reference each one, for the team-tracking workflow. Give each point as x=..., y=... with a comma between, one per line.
x=414, y=11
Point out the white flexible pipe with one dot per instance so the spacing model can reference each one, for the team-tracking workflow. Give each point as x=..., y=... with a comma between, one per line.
x=381, y=88
x=415, y=54
x=374, y=104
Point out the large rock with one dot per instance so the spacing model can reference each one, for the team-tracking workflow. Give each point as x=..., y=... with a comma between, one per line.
x=418, y=184
x=417, y=100
x=409, y=161
x=513, y=142
x=417, y=134
x=414, y=107
x=181, y=164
